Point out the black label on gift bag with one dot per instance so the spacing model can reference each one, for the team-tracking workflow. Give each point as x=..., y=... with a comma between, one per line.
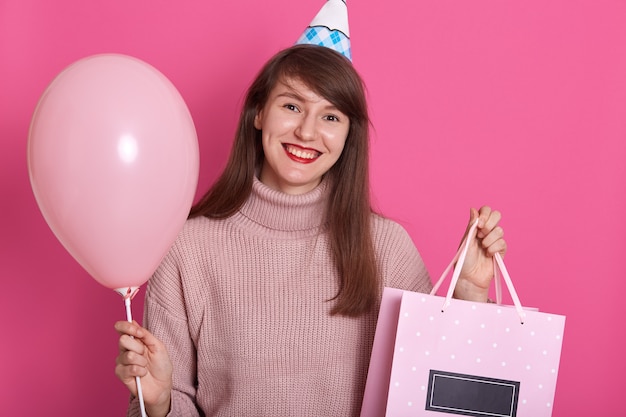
x=471, y=395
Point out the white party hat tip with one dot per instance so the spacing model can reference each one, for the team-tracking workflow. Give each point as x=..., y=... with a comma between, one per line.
x=330, y=28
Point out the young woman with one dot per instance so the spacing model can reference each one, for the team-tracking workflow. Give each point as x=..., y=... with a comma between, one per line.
x=267, y=303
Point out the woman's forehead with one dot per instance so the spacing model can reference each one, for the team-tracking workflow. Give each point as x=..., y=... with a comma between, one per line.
x=295, y=87
x=298, y=87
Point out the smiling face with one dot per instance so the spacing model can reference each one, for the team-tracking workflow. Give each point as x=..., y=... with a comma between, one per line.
x=302, y=134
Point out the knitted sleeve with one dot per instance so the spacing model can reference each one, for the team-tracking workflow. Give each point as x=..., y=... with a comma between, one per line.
x=400, y=262
x=165, y=317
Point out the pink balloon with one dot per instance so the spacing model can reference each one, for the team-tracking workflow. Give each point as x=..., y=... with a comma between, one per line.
x=113, y=163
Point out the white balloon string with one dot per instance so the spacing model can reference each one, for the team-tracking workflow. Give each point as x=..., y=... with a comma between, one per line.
x=129, y=317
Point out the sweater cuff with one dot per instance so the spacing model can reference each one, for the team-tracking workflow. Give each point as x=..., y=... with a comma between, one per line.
x=180, y=406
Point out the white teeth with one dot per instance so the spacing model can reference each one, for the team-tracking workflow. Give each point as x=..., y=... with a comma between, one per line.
x=301, y=154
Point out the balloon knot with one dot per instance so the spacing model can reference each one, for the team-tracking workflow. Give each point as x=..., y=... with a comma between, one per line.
x=127, y=293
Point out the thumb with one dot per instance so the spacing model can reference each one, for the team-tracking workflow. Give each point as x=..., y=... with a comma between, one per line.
x=473, y=215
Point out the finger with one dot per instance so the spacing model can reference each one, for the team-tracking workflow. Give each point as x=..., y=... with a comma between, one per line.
x=133, y=333
x=130, y=328
x=127, y=373
x=483, y=215
x=129, y=343
x=493, y=220
x=129, y=357
x=493, y=237
x=488, y=220
x=499, y=246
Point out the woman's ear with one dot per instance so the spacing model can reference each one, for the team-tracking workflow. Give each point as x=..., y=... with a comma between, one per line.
x=257, y=120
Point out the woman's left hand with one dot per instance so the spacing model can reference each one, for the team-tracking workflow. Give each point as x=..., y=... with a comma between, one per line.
x=477, y=271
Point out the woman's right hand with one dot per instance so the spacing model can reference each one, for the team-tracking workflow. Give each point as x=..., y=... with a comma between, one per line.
x=143, y=355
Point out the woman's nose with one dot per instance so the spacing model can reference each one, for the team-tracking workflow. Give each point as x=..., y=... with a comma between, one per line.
x=307, y=128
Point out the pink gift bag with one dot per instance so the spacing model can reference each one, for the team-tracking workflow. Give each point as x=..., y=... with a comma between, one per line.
x=436, y=356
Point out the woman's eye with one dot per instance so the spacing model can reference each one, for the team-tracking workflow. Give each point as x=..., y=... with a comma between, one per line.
x=291, y=107
x=332, y=118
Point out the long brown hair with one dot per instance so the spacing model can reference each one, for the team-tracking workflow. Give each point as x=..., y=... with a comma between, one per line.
x=348, y=212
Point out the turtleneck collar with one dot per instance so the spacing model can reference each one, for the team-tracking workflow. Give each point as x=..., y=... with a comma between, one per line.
x=271, y=209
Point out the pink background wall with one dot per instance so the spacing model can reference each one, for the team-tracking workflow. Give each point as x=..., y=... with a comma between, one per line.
x=516, y=104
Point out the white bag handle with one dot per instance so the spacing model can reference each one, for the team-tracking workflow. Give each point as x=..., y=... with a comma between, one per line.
x=498, y=266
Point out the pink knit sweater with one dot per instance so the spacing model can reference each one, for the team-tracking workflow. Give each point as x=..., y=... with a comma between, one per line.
x=242, y=306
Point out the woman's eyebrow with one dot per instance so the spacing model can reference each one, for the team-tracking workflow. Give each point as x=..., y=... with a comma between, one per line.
x=294, y=95
x=291, y=94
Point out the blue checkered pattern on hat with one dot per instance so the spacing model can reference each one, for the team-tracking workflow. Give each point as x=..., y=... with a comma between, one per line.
x=334, y=39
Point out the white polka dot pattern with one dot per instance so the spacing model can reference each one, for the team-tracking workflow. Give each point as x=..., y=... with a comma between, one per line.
x=479, y=339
